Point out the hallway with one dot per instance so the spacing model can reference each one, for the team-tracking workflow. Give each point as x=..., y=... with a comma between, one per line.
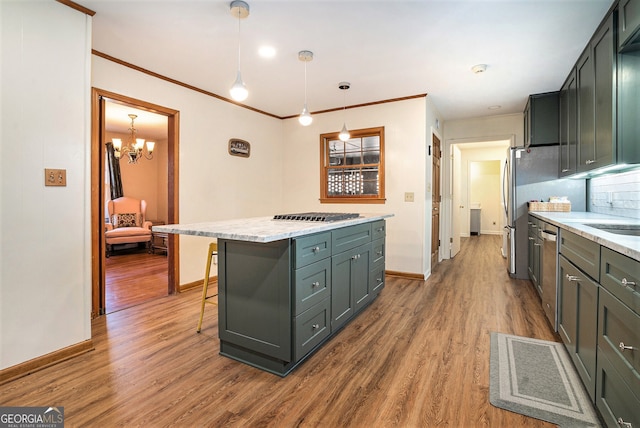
x=417, y=357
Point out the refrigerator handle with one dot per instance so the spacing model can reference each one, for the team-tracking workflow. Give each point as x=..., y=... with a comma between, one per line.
x=505, y=181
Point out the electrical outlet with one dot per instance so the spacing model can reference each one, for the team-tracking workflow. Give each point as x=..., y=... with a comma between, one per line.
x=408, y=196
x=55, y=177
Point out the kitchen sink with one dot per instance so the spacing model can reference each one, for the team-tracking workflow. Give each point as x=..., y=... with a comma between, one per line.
x=619, y=229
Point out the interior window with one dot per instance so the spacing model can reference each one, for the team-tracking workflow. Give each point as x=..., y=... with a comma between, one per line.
x=352, y=171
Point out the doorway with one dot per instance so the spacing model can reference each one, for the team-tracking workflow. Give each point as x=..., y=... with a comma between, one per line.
x=461, y=156
x=100, y=99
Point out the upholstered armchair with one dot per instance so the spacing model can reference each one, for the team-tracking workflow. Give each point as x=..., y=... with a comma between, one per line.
x=127, y=223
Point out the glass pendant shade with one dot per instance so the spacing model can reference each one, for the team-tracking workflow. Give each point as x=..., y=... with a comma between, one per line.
x=344, y=134
x=305, y=118
x=239, y=91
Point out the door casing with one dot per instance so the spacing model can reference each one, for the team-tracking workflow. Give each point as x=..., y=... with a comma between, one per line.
x=98, y=98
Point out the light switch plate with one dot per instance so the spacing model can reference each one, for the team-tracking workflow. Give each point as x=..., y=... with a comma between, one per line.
x=55, y=177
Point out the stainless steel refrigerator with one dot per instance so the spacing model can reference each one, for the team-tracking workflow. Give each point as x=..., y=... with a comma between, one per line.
x=532, y=175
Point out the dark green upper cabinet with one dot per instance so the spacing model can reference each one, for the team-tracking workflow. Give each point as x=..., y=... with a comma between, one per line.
x=569, y=126
x=628, y=108
x=628, y=24
x=596, y=80
x=541, y=120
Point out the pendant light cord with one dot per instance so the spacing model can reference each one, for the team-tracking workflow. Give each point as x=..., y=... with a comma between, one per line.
x=239, y=19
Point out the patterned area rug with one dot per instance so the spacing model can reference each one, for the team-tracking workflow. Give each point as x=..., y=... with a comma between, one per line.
x=536, y=378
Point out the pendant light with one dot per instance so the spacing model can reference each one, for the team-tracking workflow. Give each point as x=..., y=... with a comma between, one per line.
x=344, y=133
x=238, y=91
x=305, y=118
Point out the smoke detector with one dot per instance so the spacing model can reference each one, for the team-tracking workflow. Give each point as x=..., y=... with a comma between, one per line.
x=479, y=68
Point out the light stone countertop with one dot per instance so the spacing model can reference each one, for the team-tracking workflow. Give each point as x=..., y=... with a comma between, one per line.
x=262, y=229
x=578, y=223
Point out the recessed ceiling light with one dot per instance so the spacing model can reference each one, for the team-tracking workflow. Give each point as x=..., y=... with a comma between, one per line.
x=496, y=107
x=479, y=68
x=267, y=51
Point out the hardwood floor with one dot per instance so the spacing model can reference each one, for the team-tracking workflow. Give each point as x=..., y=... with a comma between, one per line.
x=133, y=278
x=417, y=357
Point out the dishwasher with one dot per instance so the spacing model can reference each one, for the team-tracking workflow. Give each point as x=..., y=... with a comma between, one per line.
x=549, y=235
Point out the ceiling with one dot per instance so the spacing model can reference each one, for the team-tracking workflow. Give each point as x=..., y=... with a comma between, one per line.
x=385, y=49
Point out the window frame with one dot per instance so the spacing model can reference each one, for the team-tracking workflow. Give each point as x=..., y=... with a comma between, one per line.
x=324, y=167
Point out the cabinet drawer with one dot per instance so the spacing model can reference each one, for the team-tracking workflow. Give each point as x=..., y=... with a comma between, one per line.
x=350, y=237
x=619, y=325
x=376, y=280
x=310, y=249
x=581, y=252
x=378, y=229
x=620, y=275
x=312, y=284
x=311, y=328
x=616, y=402
x=378, y=253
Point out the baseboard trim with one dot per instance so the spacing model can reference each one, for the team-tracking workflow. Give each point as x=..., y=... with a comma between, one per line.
x=48, y=360
x=195, y=284
x=404, y=274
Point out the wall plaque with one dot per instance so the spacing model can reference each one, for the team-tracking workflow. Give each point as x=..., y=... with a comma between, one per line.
x=239, y=148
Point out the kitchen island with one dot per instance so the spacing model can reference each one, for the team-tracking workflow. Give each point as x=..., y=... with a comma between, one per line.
x=286, y=287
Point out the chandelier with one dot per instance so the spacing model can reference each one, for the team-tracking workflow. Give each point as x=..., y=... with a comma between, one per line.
x=135, y=148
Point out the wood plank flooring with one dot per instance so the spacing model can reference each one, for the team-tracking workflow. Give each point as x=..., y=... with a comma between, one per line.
x=133, y=278
x=417, y=357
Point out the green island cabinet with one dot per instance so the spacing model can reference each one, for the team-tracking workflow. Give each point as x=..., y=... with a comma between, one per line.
x=599, y=324
x=280, y=301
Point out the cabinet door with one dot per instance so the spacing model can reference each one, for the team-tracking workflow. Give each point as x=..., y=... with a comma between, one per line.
x=567, y=317
x=579, y=321
x=568, y=126
x=586, y=139
x=360, y=276
x=604, y=62
x=341, y=292
x=628, y=107
x=350, y=289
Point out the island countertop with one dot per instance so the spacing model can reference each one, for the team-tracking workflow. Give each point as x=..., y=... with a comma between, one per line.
x=262, y=229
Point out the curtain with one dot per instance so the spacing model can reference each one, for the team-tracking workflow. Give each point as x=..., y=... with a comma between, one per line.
x=115, y=179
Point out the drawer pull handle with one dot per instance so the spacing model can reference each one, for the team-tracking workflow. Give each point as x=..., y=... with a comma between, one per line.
x=627, y=283
x=624, y=424
x=530, y=239
x=315, y=284
x=537, y=245
x=356, y=257
x=571, y=278
x=379, y=253
x=379, y=279
x=589, y=162
x=316, y=326
x=316, y=249
x=380, y=229
x=624, y=347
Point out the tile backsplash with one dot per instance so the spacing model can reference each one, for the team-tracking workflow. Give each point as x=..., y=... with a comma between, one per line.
x=617, y=194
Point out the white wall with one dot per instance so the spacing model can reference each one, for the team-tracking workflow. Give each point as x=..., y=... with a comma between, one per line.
x=406, y=166
x=484, y=190
x=45, y=240
x=213, y=185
